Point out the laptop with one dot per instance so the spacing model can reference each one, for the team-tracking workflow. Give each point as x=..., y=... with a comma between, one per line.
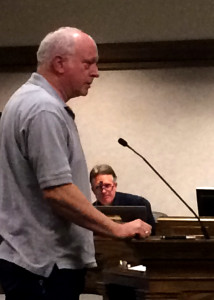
x=124, y=213
x=205, y=201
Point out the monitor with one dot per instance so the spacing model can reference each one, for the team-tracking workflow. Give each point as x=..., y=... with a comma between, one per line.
x=205, y=201
x=123, y=213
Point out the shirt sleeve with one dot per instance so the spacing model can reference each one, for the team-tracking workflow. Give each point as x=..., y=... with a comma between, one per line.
x=47, y=149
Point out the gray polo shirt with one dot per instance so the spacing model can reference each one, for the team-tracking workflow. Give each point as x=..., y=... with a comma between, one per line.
x=40, y=147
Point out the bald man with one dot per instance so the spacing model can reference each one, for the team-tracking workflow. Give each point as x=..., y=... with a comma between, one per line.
x=46, y=216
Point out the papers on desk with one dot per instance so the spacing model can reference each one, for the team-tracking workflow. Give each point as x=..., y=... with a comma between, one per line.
x=124, y=264
x=138, y=268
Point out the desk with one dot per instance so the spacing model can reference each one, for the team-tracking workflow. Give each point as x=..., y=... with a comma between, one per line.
x=176, y=269
x=183, y=225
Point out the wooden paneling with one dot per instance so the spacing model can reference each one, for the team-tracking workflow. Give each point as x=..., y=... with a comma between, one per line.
x=175, y=269
x=183, y=226
x=137, y=55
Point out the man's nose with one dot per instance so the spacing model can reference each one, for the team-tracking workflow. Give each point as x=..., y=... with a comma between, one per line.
x=94, y=71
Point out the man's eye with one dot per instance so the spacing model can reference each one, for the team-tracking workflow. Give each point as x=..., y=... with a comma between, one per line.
x=107, y=185
x=86, y=65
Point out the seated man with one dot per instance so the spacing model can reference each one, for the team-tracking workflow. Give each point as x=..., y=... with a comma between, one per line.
x=104, y=184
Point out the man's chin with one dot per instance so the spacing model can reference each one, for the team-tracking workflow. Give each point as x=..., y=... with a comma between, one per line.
x=84, y=92
x=81, y=93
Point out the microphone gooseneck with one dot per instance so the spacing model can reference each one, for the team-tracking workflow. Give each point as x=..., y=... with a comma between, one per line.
x=203, y=228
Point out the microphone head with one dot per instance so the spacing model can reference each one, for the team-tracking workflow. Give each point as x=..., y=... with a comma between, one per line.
x=122, y=142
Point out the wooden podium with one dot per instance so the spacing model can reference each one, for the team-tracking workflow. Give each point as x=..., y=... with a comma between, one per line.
x=175, y=268
x=183, y=226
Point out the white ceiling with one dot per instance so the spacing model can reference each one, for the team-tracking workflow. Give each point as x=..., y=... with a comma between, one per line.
x=25, y=22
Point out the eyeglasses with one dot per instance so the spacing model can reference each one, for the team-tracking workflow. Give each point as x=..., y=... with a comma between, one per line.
x=106, y=186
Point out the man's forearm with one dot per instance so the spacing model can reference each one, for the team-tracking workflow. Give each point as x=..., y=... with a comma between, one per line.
x=69, y=202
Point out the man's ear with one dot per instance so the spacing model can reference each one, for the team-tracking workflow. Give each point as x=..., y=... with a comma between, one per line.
x=58, y=64
x=92, y=188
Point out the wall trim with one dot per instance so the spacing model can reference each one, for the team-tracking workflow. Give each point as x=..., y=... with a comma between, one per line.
x=117, y=56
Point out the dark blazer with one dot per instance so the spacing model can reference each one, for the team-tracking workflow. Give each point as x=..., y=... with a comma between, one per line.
x=122, y=199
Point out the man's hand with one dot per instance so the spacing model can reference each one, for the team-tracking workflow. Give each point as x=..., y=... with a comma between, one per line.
x=136, y=228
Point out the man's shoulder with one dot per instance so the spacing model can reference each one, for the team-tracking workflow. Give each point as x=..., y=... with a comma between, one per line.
x=129, y=199
x=33, y=91
x=41, y=100
x=128, y=195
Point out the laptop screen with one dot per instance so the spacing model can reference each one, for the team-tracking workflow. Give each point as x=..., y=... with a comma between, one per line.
x=205, y=201
x=123, y=213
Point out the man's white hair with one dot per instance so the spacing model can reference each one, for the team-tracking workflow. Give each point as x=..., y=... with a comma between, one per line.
x=60, y=42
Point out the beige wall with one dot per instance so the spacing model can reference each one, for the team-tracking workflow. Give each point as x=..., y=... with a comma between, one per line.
x=166, y=115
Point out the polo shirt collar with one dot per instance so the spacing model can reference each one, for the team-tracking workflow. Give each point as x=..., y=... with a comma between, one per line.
x=38, y=79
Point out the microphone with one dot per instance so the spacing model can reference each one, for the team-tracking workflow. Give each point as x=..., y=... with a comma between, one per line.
x=203, y=228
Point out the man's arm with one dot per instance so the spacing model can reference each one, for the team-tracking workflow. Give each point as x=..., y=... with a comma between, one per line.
x=69, y=202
